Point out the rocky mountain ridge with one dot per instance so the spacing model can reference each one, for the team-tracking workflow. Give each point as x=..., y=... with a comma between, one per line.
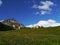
x=13, y=23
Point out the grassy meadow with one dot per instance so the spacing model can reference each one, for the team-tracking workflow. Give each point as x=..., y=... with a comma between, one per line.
x=27, y=36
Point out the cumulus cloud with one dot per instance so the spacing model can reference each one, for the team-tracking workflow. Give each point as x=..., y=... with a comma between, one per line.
x=43, y=12
x=0, y=2
x=46, y=6
x=43, y=23
x=1, y=20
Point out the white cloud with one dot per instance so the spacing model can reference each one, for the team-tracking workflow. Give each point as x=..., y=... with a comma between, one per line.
x=43, y=12
x=30, y=26
x=1, y=20
x=0, y=2
x=48, y=23
x=46, y=6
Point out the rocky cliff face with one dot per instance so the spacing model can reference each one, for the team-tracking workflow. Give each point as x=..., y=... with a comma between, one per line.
x=13, y=23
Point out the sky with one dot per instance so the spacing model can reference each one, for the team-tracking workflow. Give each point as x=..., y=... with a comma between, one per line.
x=30, y=12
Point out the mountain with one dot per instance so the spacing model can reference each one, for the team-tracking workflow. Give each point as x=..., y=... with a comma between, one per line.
x=13, y=23
x=4, y=27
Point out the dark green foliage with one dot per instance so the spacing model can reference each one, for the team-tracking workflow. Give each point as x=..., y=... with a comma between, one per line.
x=4, y=27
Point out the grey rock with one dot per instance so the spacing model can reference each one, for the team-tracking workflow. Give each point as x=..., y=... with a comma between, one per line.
x=13, y=23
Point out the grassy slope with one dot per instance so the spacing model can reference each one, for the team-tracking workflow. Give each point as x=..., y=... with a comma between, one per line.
x=41, y=36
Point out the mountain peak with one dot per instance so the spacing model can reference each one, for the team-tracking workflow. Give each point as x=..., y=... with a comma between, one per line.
x=13, y=23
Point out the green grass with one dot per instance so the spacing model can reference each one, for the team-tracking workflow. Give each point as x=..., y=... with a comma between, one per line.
x=26, y=36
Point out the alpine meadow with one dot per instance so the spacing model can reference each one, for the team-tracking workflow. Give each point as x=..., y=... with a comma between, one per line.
x=29, y=22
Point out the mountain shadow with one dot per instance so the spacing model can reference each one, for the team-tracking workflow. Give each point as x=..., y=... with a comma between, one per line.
x=4, y=27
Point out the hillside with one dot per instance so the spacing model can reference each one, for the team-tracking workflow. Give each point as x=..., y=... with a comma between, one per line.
x=4, y=27
x=13, y=23
x=27, y=36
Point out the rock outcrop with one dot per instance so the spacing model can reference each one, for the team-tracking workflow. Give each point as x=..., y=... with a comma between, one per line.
x=13, y=23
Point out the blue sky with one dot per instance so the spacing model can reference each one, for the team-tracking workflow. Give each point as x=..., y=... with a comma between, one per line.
x=25, y=12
